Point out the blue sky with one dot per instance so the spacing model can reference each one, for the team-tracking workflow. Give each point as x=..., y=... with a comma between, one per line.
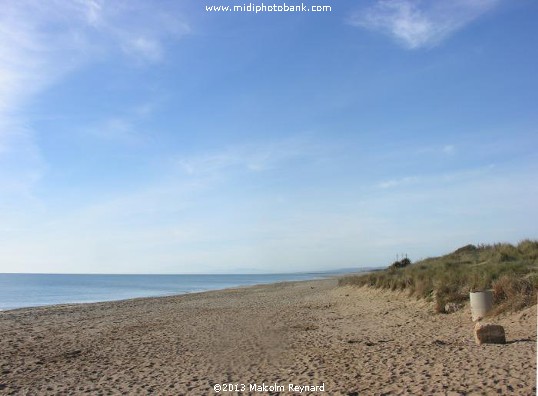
x=156, y=137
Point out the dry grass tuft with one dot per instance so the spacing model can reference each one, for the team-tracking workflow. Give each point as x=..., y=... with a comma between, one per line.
x=511, y=271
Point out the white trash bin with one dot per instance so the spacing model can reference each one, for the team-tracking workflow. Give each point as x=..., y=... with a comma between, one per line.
x=481, y=303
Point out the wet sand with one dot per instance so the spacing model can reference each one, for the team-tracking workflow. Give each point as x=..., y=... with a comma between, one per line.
x=350, y=340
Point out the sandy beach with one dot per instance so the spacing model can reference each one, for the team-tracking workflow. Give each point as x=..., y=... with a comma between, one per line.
x=349, y=340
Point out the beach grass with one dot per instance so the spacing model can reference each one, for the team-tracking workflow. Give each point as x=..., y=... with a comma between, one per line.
x=510, y=271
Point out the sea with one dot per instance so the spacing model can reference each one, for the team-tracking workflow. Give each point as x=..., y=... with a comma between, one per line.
x=33, y=290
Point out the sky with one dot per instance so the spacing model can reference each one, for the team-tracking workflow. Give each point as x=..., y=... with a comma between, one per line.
x=159, y=137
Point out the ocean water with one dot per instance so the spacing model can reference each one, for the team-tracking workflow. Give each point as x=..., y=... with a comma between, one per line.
x=32, y=290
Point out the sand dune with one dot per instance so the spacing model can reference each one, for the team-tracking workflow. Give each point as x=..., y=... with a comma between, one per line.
x=350, y=340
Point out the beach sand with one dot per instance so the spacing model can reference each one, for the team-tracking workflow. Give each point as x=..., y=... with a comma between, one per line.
x=352, y=340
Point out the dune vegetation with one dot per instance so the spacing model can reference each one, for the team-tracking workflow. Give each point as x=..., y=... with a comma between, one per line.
x=510, y=271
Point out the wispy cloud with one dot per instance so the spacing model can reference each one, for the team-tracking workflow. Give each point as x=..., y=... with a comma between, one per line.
x=21, y=164
x=449, y=149
x=254, y=157
x=140, y=30
x=446, y=150
x=439, y=179
x=404, y=181
x=122, y=128
x=41, y=43
x=115, y=129
x=418, y=23
x=144, y=47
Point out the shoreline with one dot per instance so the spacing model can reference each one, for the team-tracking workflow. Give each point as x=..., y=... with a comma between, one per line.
x=123, y=300
x=316, y=276
x=74, y=304
x=308, y=332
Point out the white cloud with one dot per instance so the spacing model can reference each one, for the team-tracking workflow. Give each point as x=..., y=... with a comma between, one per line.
x=139, y=29
x=117, y=129
x=146, y=48
x=449, y=149
x=42, y=42
x=123, y=128
x=21, y=167
x=255, y=157
x=438, y=179
x=93, y=11
x=419, y=23
x=436, y=150
x=404, y=181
